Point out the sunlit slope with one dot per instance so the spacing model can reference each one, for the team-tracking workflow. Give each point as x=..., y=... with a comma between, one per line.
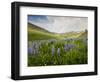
x=81, y=34
x=38, y=33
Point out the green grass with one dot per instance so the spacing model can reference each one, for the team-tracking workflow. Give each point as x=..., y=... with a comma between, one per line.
x=77, y=55
x=34, y=34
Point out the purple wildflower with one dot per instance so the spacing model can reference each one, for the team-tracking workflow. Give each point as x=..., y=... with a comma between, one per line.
x=68, y=46
x=58, y=51
x=53, y=50
x=30, y=50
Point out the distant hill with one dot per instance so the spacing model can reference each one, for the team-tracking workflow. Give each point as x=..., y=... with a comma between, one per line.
x=83, y=35
x=37, y=33
x=32, y=26
x=71, y=34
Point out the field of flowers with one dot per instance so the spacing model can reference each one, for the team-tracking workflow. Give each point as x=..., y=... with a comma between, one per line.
x=57, y=52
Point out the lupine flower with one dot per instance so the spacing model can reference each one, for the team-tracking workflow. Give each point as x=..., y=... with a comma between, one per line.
x=36, y=48
x=33, y=45
x=58, y=51
x=65, y=47
x=30, y=50
x=39, y=44
x=68, y=46
x=53, y=50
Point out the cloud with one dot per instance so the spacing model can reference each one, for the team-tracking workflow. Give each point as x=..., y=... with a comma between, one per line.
x=61, y=24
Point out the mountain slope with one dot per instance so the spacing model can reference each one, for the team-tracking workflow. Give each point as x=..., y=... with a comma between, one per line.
x=32, y=26
x=38, y=33
x=83, y=35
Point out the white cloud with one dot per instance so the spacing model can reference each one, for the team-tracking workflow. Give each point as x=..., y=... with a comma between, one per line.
x=63, y=24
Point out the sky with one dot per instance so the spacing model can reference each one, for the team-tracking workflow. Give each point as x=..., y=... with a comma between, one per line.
x=59, y=24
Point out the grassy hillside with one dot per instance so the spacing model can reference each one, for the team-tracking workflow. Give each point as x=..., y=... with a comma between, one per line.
x=38, y=33
x=32, y=27
x=75, y=35
x=83, y=35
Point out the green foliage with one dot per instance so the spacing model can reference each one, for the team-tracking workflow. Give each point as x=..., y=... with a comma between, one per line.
x=76, y=55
